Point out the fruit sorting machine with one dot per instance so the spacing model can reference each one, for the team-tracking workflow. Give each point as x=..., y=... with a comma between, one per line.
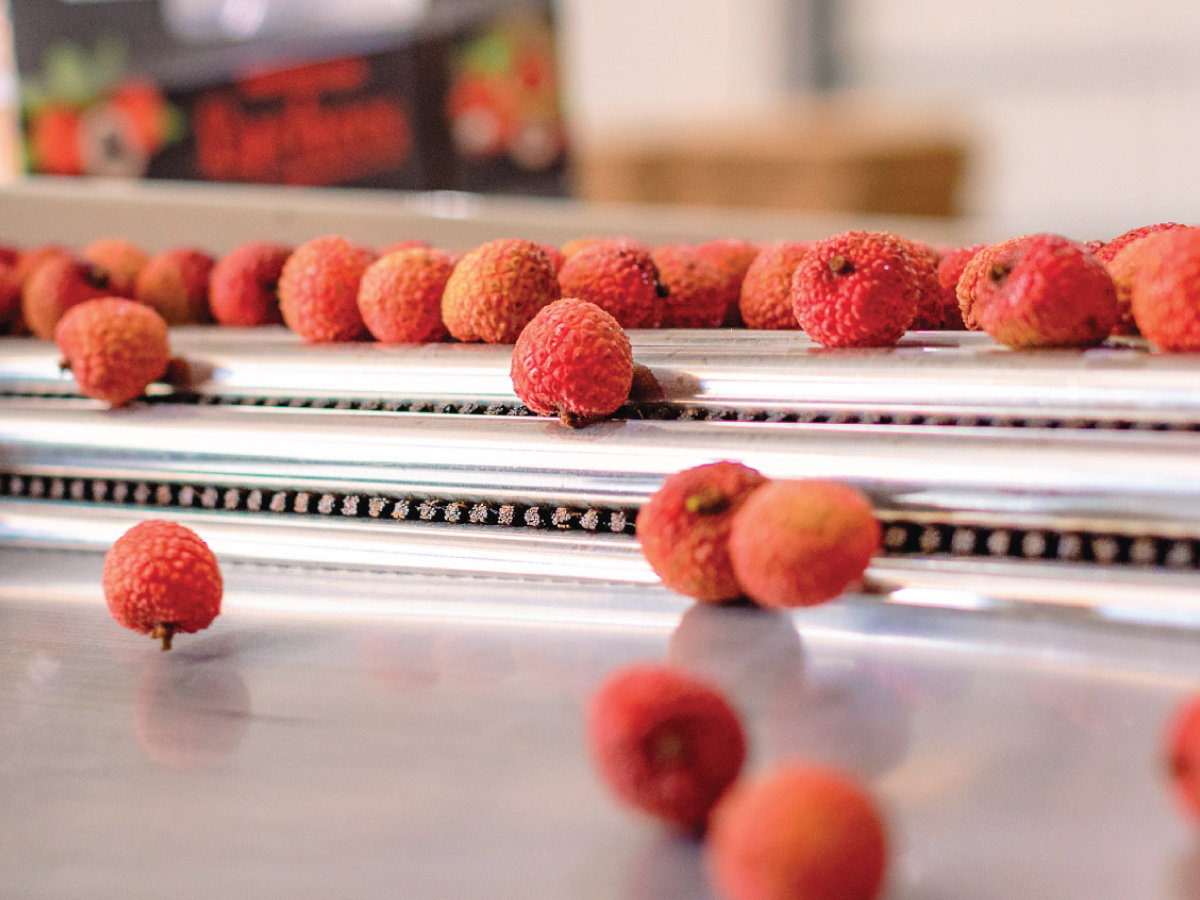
x=424, y=583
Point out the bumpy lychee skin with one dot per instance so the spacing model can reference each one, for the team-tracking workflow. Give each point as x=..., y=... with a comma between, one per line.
x=932, y=314
x=10, y=295
x=618, y=276
x=731, y=257
x=57, y=285
x=175, y=283
x=121, y=260
x=766, y=295
x=114, y=348
x=400, y=296
x=496, y=289
x=684, y=528
x=798, y=832
x=318, y=289
x=1165, y=291
x=573, y=361
x=799, y=543
x=407, y=244
x=855, y=289
x=161, y=579
x=1039, y=291
x=695, y=294
x=949, y=271
x=1182, y=754
x=1120, y=257
x=570, y=248
x=557, y=258
x=243, y=288
x=665, y=742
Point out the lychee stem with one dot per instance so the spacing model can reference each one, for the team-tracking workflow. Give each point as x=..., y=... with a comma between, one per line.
x=999, y=272
x=840, y=265
x=706, y=501
x=165, y=631
x=662, y=290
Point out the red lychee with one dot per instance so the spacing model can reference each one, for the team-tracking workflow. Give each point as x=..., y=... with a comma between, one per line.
x=1120, y=258
x=570, y=248
x=243, y=288
x=573, y=361
x=949, y=271
x=855, y=289
x=192, y=717
x=161, y=579
x=731, y=257
x=10, y=296
x=120, y=260
x=410, y=244
x=400, y=296
x=318, y=289
x=799, y=832
x=496, y=289
x=54, y=287
x=1038, y=291
x=766, y=296
x=556, y=256
x=695, y=297
x=114, y=347
x=1165, y=294
x=665, y=742
x=932, y=314
x=684, y=528
x=620, y=278
x=30, y=260
x=175, y=283
x=1182, y=751
x=798, y=543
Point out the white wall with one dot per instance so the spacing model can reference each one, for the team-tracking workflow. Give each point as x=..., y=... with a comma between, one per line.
x=1087, y=113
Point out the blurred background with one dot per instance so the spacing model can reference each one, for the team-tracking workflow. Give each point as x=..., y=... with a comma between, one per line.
x=1045, y=115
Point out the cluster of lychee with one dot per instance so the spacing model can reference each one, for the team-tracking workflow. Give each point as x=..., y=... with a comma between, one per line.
x=723, y=531
x=671, y=746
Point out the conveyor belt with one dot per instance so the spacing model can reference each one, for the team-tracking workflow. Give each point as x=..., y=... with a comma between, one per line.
x=943, y=378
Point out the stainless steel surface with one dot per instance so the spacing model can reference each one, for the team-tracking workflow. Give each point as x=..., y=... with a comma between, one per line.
x=1066, y=480
x=957, y=375
x=345, y=734
x=1132, y=593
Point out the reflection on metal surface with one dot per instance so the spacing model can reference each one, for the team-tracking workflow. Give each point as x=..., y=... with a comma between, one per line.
x=955, y=378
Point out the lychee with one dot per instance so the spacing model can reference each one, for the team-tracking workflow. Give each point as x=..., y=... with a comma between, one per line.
x=1182, y=752
x=175, y=283
x=949, y=271
x=570, y=248
x=120, y=260
x=1120, y=258
x=620, y=278
x=695, y=295
x=1039, y=291
x=731, y=257
x=496, y=289
x=30, y=260
x=684, y=527
x=556, y=256
x=55, y=286
x=114, y=348
x=243, y=287
x=798, y=543
x=573, y=361
x=766, y=295
x=408, y=244
x=855, y=289
x=10, y=296
x=318, y=289
x=665, y=742
x=798, y=832
x=1165, y=289
x=932, y=314
x=400, y=296
x=160, y=579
